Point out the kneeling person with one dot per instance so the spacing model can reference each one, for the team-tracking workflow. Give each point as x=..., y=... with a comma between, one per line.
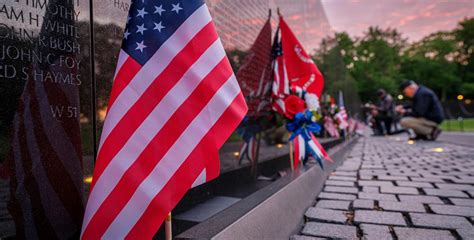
x=425, y=113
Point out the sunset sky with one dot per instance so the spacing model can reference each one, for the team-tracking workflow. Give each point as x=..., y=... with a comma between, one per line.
x=414, y=18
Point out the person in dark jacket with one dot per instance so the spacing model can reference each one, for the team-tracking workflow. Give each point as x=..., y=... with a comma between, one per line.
x=385, y=111
x=425, y=113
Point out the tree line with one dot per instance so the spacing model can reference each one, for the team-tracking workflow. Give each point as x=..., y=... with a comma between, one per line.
x=382, y=58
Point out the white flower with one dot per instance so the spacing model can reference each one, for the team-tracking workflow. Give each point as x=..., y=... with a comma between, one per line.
x=312, y=102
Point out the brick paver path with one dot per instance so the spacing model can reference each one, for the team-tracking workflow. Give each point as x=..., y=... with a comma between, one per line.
x=388, y=189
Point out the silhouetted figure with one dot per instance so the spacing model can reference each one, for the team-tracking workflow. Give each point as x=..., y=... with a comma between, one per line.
x=385, y=112
x=425, y=113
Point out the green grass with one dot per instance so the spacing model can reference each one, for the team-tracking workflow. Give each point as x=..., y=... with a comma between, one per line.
x=466, y=125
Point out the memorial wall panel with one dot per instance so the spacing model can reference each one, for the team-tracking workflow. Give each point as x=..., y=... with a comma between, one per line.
x=45, y=117
x=48, y=136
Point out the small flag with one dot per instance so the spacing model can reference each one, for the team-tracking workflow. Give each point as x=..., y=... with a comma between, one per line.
x=281, y=84
x=341, y=116
x=330, y=127
x=174, y=102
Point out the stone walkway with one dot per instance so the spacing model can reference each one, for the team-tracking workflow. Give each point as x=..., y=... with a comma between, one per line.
x=390, y=189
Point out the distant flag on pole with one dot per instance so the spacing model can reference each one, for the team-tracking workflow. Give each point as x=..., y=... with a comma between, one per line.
x=341, y=116
x=330, y=127
x=174, y=102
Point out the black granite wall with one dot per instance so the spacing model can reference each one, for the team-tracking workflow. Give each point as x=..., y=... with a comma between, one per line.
x=53, y=98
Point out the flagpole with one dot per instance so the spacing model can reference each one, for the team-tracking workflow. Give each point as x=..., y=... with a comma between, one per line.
x=168, y=227
x=291, y=157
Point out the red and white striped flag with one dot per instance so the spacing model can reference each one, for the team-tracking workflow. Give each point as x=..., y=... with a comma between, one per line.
x=281, y=83
x=330, y=127
x=341, y=118
x=174, y=102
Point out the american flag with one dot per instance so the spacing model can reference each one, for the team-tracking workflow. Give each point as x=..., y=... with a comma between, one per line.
x=174, y=102
x=330, y=127
x=281, y=83
x=341, y=116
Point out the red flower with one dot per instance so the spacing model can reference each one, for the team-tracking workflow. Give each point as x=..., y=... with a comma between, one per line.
x=293, y=105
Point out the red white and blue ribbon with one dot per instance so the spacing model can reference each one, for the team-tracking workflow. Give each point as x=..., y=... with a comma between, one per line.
x=301, y=151
x=305, y=143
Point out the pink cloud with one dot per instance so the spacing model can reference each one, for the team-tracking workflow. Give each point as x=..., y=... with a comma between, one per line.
x=414, y=18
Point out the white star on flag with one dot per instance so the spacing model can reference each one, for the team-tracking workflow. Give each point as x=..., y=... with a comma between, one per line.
x=142, y=13
x=140, y=46
x=158, y=26
x=126, y=33
x=176, y=8
x=159, y=9
x=141, y=28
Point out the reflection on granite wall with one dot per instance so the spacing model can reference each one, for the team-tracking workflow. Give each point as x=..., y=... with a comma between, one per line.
x=238, y=22
x=109, y=23
x=46, y=121
x=45, y=81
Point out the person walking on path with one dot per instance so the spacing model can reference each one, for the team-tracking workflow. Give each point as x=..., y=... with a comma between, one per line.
x=425, y=113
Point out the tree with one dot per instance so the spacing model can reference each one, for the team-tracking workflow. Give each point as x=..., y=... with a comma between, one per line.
x=331, y=60
x=464, y=34
x=376, y=63
x=431, y=62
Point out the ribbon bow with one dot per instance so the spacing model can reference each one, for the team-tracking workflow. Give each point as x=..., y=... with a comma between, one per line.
x=304, y=126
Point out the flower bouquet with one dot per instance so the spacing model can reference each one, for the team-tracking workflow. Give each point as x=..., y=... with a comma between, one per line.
x=301, y=121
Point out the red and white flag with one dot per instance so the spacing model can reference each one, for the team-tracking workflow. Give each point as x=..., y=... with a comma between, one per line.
x=330, y=127
x=174, y=102
x=300, y=68
x=293, y=68
x=341, y=116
